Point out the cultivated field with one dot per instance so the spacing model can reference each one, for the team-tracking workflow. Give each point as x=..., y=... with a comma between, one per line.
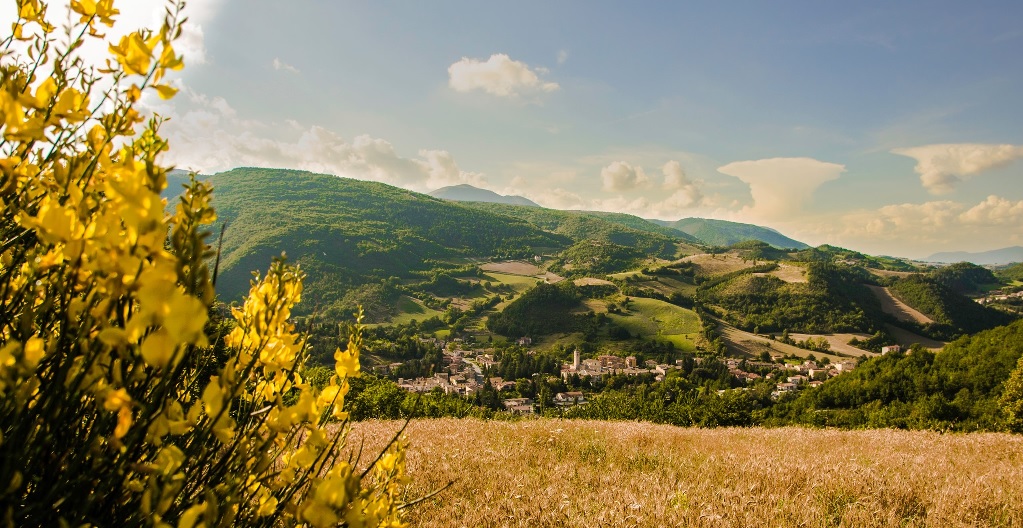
x=513, y=267
x=409, y=309
x=546, y=473
x=901, y=311
x=788, y=273
x=907, y=338
x=752, y=345
x=708, y=264
x=839, y=342
x=591, y=281
x=658, y=319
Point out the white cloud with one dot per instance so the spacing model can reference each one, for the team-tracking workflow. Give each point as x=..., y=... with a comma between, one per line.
x=620, y=176
x=562, y=56
x=995, y=211
x=499, y=75
x=278, y=64
x=919, y=229
x=942, y=166
x=781, y=186
x=209, y=137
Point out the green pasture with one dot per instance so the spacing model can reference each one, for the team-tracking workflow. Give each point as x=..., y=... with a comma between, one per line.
x=657, y=319
x=409, y=309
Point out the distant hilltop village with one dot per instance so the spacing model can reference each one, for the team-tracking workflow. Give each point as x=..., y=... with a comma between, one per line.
x=465, y=373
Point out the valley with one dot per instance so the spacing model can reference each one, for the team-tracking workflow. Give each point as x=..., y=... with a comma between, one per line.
x=520, y=289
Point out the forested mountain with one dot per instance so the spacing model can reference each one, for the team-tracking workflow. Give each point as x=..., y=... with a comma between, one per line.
x=724, y=233
x=347, y=232
x=468, y=193
x=616, y=228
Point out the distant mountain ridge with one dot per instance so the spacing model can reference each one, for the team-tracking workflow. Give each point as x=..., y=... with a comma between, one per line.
x=468, y=193
x=725, y=233
x=996, y=256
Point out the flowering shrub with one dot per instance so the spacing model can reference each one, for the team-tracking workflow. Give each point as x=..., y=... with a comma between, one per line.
x=118, y=405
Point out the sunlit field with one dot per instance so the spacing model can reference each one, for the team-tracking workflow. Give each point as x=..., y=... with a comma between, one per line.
x=584, y=473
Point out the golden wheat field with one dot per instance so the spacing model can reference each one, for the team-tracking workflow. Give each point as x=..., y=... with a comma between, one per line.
x=541, y=473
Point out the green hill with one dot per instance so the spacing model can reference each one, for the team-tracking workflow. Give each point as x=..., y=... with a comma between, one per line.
x=834, y=299
x=348, y=232
x=965, y=278
x=616, y=228
x=724, y=233
x=540, y=311
x=828, y=253
x=1011, y=273
x=957, y=388
x=953, y=314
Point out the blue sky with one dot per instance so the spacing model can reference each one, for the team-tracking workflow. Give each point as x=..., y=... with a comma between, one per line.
x=886, y=127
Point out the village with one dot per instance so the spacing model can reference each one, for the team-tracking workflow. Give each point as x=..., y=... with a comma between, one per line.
x=466, y=371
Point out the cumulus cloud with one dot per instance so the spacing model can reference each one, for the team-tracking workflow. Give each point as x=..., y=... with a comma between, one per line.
x=994, y=211
x=781, y=186
x=210, y=136
x=685, y=192
x=941, y=167
x=499, y=75
x=620, y=176
x=281, y=65
x=920, y=229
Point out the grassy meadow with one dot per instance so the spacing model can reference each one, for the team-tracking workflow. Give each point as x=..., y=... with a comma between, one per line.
x=660, y=320
x=544, y=473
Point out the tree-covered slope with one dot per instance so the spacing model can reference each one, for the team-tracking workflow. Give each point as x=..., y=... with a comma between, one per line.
x=724, y=233
x=828, y=253
x=1010, y=273
x=957, y=388
x=347, y=232
x=616, y=228
x=964, y=278
x=953, y=314
x=540, y=311
x=834, y=299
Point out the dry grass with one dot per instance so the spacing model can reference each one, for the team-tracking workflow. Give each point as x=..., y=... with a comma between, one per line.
x=591, y=281
x=708, y=264
x=839, y=342
x=789, y=273
x=902, y=311
x=514, y=267
x=584, y=473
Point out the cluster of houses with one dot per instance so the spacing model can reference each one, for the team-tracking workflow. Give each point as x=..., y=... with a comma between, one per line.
x=460, y=375
x=796, y=377
x=999, y=295
x=606, y=365
x=463, y=374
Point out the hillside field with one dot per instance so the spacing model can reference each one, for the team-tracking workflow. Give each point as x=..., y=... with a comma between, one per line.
x=660, y=320
x=543, y=473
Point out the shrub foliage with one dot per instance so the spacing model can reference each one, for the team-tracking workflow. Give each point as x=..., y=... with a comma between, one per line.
x=118, y=405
